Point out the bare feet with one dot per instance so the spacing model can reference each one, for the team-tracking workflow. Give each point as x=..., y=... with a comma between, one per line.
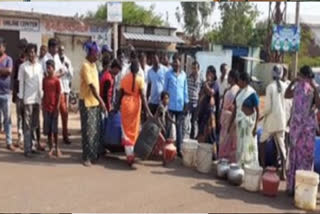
x=11, y=148
x=59, y=153
x=41, y=147
x=87, y=163
x=50, y=153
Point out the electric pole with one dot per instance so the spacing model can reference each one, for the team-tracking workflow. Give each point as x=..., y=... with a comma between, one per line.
x=295, y=60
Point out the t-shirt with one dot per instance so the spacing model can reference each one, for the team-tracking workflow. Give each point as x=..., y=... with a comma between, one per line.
x=5, y=81
x=52, y=90
x=89, y=76
x=162, y=112
x=106, y=89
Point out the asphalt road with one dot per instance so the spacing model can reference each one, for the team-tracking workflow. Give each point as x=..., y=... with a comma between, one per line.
x=59, y=186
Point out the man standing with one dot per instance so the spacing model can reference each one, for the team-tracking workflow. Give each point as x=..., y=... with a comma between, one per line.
x=144, y=66
x=65, y=80
x=5, y=90
x=43, y=52
x=15, y=90
x=165, y=62
x=223, y=80
x=30, y=92
x=194, y=86
x=156, y=76
x=177, y=87
x=52, y=54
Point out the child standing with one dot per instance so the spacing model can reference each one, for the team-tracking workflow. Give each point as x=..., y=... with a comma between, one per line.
x=51, y=99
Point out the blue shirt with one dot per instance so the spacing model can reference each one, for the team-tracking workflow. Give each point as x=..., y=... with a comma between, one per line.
x=177, y=87
x=5, y=82
x=156, y=79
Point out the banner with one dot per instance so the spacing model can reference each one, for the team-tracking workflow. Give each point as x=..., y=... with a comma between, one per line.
x=285, y=38
x=114, y=12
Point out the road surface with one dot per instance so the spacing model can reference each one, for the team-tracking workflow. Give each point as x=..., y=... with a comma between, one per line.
x=52, y=186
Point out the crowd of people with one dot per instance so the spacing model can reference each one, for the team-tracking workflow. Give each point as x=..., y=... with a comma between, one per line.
x=222, y=110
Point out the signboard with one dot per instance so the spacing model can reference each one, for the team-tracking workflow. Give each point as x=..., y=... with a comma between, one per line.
x=20, y=24
x=285, y=38
x=114, y=12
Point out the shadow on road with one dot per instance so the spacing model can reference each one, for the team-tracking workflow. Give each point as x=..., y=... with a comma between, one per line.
x=177, y=169
x=223, y=190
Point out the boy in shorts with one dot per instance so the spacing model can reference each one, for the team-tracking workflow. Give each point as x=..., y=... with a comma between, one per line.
x=51, y=99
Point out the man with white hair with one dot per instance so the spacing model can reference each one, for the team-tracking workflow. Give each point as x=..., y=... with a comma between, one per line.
x=275, y=122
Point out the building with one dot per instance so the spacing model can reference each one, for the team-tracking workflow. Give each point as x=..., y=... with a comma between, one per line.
x=149, y=39
x=39, y=28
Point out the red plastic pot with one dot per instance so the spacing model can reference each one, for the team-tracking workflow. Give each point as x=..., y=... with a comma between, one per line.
x=270, y=182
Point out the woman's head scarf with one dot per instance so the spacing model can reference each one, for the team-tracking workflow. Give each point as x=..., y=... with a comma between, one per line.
x=91, y=47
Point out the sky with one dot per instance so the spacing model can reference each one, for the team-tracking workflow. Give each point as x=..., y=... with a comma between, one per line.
x=308, y=10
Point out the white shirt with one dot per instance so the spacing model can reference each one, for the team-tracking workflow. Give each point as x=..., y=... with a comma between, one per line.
x=67, y=77
x=56, y=60
x=223, y=85
x=275, y=111
x=30, y=82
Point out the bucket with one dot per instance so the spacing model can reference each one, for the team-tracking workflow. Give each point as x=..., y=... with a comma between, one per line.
x=204, y=157
x=189, y=152
x=252, y=178
x=306, y=190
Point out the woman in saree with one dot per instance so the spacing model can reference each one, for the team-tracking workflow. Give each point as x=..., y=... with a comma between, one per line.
x=208, y=108
x=246, y=117
x=302, y=124
x=130, y=102
x=228, y=141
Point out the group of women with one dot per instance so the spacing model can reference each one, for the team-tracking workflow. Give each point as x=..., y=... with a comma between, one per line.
x=237, y=120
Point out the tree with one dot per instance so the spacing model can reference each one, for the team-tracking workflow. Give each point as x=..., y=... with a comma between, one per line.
x=238, y=20
x=195, y=16
x=132, y=14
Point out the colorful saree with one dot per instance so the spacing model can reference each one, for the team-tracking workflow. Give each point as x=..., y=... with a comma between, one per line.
x=302, y=132
x=247, y=148
x=228, y=140
x=131, y=109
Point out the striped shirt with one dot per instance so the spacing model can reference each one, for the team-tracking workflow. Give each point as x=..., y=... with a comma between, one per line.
x=194, y=86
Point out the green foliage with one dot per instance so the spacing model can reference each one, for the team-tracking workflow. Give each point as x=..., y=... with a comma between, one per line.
x=132, y=14
x=237, y=26
x=195, y=16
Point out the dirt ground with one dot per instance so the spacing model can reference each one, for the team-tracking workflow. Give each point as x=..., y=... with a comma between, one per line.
x=60, y=186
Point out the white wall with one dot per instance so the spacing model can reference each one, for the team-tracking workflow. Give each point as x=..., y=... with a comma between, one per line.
x=32, y=37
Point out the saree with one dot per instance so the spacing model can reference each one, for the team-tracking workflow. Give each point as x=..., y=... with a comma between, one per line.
x=302, y=132
x=131, y=109
x=90, y=131
x=228, y=140
x=247, y=148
